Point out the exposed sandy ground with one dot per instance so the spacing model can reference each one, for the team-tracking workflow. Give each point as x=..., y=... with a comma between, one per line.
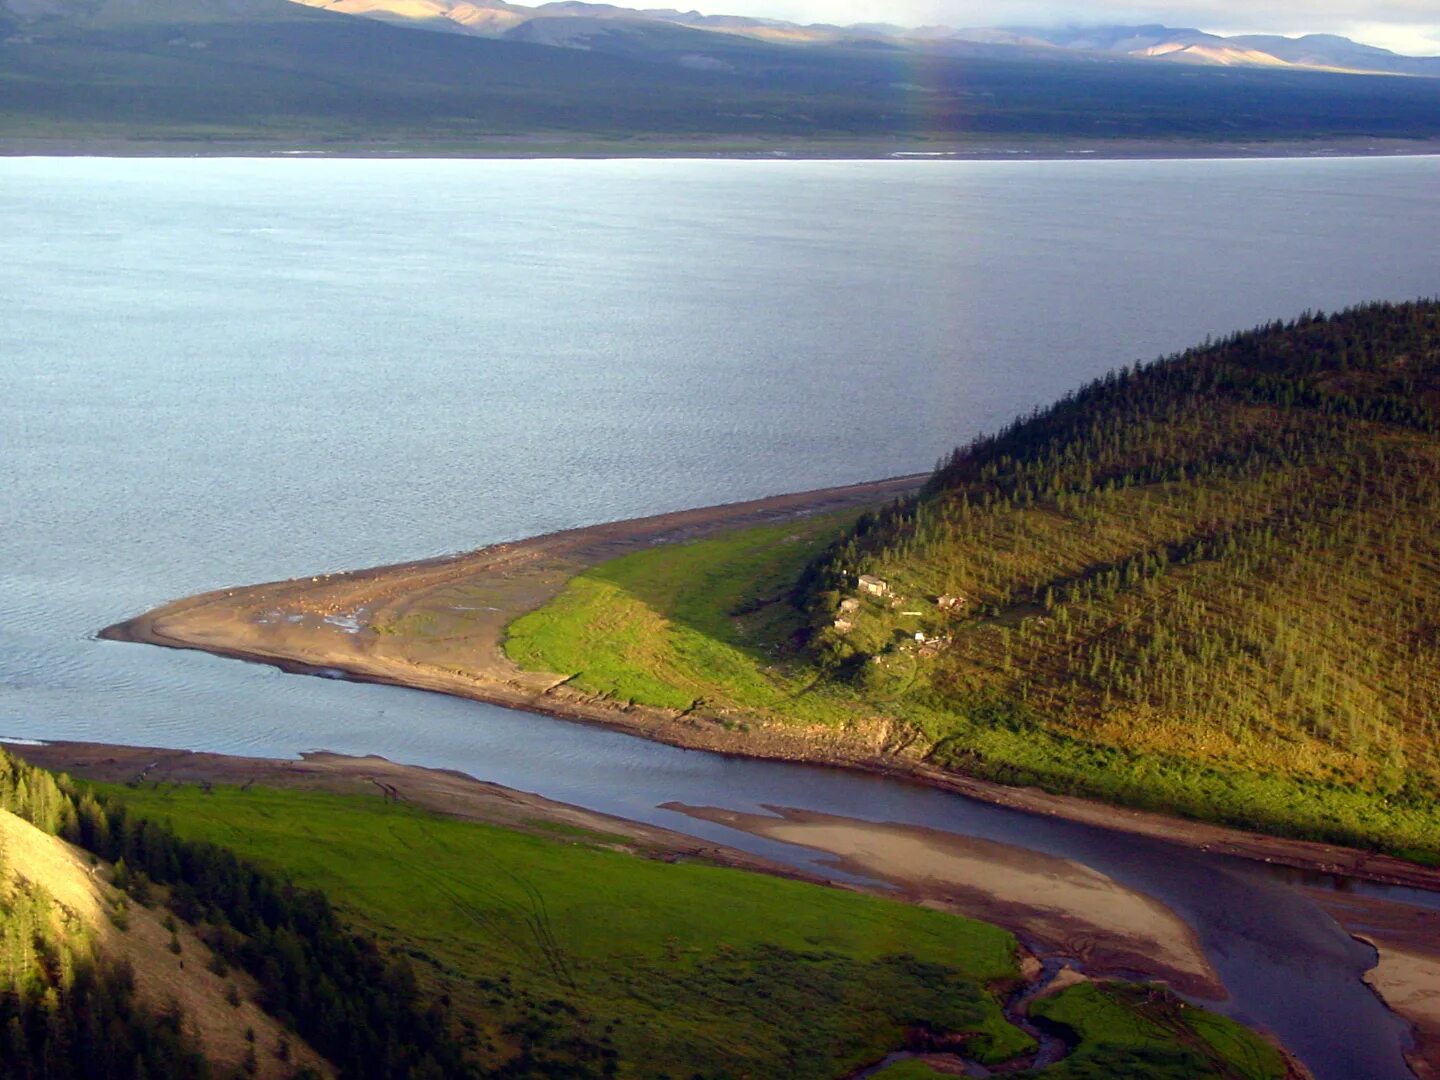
x=1060, y=905
x=1407, y=976
x=161, y=976
x=340, y=624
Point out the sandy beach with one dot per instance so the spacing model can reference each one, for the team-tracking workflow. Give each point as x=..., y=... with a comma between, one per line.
x=1407, y=972
x=1061, y=907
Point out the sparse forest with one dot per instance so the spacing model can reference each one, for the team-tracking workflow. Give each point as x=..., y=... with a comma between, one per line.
x=1208, y=585
x=1226, y=559
x=67, y=1013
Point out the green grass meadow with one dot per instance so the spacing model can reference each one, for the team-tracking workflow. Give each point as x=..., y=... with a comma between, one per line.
x=681, y=626
x=596, y=961
x=1125, y=1031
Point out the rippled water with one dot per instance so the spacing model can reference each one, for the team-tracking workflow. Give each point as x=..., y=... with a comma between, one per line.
x=229, y=371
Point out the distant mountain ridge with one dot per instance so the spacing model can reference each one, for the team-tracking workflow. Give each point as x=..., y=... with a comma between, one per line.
x=363, y=72
x=574, y=24
x=1324, y=52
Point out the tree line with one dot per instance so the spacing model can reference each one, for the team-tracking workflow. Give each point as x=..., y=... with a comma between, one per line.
x=1225, y=557
x=359, y=1008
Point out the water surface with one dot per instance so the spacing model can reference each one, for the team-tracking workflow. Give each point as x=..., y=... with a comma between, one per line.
x=231, y=371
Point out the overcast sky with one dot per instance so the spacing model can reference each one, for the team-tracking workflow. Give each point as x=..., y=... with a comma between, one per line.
x=1411, y=26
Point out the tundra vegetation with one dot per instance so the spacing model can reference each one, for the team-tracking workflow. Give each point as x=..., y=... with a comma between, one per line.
x=414, y=945
x=1135, y=1030
x=1127, y=1029
x=1208, y=585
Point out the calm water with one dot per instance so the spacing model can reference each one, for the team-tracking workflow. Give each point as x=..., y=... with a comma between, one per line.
x=230, y=371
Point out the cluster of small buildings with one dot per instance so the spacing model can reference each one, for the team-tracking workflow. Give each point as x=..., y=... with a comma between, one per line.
x=870, y=585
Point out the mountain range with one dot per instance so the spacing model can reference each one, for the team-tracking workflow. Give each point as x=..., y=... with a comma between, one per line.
x=590, y=77
x=582, y=25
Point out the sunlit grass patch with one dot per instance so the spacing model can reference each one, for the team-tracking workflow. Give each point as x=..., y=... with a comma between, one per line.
x=587, y=952
x=1124, y=1030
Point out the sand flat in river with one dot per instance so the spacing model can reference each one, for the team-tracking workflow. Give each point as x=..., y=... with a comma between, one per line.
x=1407, y=972
x=1058, y=905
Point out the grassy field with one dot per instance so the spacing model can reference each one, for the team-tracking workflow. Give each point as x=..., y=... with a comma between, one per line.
x=686, y=625
x=1125, y=1030
x=584, y=956
x=565, y=957
x=909, y=1070
x=1210, y=587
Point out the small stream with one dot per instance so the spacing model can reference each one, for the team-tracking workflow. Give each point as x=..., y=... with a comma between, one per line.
x=1049, y=1047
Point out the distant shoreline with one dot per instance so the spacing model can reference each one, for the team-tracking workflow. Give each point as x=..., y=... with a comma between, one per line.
x=540, y=148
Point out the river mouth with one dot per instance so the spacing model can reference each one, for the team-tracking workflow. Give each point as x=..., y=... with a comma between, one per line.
x=276, y=413
x=1286, y=964
x=1148, y=895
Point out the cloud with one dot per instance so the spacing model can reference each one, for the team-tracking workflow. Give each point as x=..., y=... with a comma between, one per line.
x=1414, y=40
x=1404, y=25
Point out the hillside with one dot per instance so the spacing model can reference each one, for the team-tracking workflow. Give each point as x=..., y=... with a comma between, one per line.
x=588, y=80
x=1209, y=585
x=582, y=25
x=99, y=986
x=1319, y=52
x=130, y=952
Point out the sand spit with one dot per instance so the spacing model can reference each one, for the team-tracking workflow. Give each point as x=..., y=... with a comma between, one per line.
x=359, y=625
x=1407, y=971
x=363, y=623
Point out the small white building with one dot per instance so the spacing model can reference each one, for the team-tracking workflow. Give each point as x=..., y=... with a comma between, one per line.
x=873, y=585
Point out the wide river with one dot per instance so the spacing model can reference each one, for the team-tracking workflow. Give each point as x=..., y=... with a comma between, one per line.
x=226, y=371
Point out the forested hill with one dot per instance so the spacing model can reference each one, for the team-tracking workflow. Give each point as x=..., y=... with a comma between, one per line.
x=93, y=980
x=1181, y=584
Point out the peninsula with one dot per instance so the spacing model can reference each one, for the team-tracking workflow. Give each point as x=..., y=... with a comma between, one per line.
x=1042, y=610
x=1050, y=611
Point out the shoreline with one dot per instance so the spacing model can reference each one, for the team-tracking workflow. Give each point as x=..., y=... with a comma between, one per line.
x=719, y=148
x=310, y=626
x=1158, y=946
x=1061, y=912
